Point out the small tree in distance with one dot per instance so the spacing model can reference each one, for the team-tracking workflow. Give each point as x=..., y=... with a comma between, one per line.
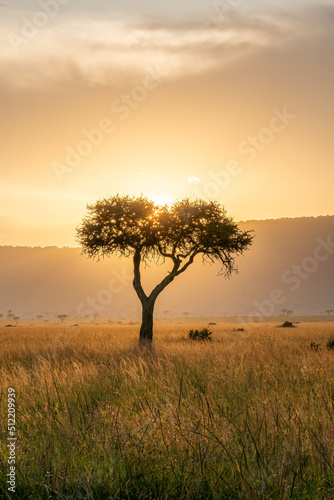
x=10, y=315
x=329, y=311
x=287, y=312
x=62, y=317
x=139, y=228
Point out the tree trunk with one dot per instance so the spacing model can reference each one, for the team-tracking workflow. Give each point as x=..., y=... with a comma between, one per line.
x=146, y=330
x=148, y=302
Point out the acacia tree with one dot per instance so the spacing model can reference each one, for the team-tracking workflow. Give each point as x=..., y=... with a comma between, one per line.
x=10, y=315
x=62, y=317
x=287, y=312
x=139, y=228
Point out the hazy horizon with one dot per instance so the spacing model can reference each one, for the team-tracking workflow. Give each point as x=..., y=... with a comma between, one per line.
x=284, y=256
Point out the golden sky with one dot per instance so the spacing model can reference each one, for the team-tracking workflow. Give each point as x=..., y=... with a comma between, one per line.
x=234, y=106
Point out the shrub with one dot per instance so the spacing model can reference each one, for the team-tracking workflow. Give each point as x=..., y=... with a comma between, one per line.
x=314, y=346
x=287, y=324
x=330, y=343
x=200, y=335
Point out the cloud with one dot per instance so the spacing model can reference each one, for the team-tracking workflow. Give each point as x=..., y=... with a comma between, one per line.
x=81, y=51
x=96, y=53
x=193, y=178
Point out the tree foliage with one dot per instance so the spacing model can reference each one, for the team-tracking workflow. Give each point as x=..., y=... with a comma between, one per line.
x=128, y=225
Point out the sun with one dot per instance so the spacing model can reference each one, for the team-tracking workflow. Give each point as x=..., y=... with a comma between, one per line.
x=162, y=200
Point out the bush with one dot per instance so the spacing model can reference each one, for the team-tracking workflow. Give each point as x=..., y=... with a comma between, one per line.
x=330, y=343
x=314, y=346
x=200, y=335
x=287, y=324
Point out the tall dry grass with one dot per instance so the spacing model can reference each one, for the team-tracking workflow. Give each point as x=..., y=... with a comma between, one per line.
x=247, y=416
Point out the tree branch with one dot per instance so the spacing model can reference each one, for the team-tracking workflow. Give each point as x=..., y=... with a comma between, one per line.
x=190, y=261
x=166, y=281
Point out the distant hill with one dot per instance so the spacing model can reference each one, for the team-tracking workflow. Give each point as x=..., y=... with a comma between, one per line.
x=290, y=265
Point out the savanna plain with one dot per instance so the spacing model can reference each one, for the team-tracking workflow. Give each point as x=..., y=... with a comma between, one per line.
x=249, y=415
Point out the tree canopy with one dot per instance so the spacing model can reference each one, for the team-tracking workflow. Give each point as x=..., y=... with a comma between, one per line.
x=126, y=225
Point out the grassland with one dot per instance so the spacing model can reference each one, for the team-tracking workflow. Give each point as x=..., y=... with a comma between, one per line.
x=248, y=416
